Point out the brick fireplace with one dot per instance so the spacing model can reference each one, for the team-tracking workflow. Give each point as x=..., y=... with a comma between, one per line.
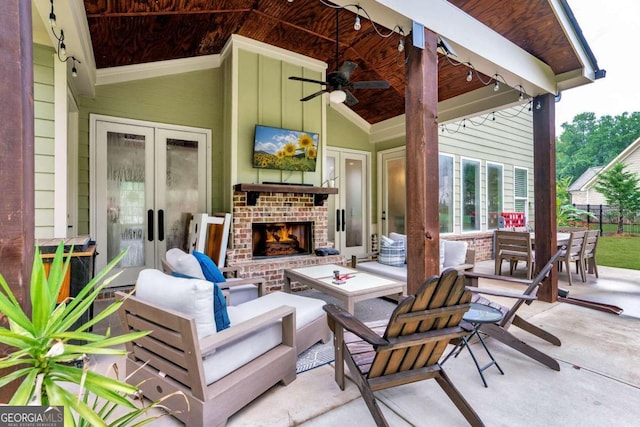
x=257, y=207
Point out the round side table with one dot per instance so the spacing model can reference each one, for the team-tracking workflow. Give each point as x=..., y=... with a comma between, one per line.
x=477, y=315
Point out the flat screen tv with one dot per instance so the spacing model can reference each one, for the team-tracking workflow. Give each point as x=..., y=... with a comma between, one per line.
x=285, y=149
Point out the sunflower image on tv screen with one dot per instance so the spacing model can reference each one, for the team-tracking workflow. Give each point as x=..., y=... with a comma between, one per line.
x=285, y=149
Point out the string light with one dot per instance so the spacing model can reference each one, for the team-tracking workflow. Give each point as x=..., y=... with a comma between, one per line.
x=357, y=25
x=469, y=75
x=496, y=86
x=62, y=47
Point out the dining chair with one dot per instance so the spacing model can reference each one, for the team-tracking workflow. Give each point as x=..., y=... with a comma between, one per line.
x=588, y=254
x=514, y=246
x=573, y=253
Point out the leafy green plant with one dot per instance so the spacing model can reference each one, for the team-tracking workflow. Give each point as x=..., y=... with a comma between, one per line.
x=46, y=350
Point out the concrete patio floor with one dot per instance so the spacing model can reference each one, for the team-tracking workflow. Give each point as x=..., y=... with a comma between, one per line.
x=598, y=383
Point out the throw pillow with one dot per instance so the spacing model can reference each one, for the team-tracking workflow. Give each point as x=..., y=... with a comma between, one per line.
x=403, y=237
x=392, y=252
x=455, y=253
x=220, y=314
x=184, y=263
x=193, y=297
x=209, y=268
x=441, y=254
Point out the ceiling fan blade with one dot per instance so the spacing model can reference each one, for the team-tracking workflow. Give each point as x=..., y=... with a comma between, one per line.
x=313, y=95
x=371, y=84
x=351, y=100
x=347, y=68
x=302, y=79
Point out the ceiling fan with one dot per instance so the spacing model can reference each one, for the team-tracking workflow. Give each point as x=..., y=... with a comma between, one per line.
x=338, y=83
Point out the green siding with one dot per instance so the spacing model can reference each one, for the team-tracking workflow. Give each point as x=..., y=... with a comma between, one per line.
x=188, y=99
x=44, y=146
x=266, y=96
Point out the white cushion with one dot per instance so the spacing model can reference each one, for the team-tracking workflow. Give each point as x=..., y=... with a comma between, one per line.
x=442, y=253
x=241, y=293
x=184, y=263
x=237, y=354
x=455, y=253
x=394, y=273
x=192, y=297
x=307, y=309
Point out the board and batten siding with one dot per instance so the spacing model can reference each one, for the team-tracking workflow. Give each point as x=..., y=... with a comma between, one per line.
x=44, y=144
x=267, y=97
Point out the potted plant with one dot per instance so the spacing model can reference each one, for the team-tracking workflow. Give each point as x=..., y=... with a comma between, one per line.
x=47, y=351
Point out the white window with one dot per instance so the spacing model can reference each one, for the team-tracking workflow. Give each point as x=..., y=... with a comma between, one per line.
x=470, y=195
x=521, y=190
x=445, y=198
x=494, y=194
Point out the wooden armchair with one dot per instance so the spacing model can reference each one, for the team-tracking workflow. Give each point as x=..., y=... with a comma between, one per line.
x=588, y=254
x=408, y=347
x=573, y=253
x=500, y=330
x=514, y=246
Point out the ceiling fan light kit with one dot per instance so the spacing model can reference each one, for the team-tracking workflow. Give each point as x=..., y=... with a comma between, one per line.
x=337, y=96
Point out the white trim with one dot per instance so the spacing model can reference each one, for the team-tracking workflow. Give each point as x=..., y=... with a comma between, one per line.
x=394, y=127
x=526, y=199
x=60, y=149
x=239, y=42
x=127, y=73
x=350, y=115
x=72, y=166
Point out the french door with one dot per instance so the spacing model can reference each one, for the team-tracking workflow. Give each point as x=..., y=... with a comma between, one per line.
x=392, y=185
x=348, y=210
x=148, y=180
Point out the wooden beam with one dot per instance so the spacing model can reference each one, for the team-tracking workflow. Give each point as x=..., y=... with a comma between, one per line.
x=544, y=180
x=421, y=104
x=16, y=158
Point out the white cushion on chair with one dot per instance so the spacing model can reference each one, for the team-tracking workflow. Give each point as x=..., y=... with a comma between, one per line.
x=455, y=253
x=193, y=297
x=184, y=263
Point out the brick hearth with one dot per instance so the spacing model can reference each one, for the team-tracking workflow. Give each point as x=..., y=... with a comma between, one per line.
x=276, y=207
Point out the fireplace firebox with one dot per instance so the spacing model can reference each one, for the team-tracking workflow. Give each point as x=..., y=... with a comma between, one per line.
x=276, y=239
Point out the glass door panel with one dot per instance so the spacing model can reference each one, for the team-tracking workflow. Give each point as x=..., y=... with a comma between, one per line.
x=354, y=203
x=126, y=203
x=393, y=191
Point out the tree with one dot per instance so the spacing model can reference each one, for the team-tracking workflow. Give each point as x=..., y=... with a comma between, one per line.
x=590, y=141
x=620, y=189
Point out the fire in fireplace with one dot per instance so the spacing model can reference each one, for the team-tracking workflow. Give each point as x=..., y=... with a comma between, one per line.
x=276, y=239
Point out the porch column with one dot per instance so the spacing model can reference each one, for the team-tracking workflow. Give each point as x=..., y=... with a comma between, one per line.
x=544, y=181
x=16, y=155
x=421, y=109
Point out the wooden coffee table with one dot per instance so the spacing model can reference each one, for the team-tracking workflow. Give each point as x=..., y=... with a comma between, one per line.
x=358, y=287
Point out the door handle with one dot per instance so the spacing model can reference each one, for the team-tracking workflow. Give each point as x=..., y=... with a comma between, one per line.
x=384, y=216
x=344, y=220
x=150, y=225
x=337, y=219
x=161, y=225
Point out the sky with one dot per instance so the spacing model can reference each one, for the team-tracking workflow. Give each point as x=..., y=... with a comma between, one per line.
x=612, y=29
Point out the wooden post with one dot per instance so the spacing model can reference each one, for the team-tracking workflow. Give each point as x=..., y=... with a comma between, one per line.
x=544, y=167
x=421, y=109
x=16, y=156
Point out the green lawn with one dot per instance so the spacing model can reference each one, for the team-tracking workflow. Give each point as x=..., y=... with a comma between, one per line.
x=619, y=251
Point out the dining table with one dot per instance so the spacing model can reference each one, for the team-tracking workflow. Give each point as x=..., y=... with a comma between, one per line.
x=562, y=238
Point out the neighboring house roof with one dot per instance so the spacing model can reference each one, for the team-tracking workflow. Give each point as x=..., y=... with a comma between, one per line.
x=619, y=158
x=584, y=178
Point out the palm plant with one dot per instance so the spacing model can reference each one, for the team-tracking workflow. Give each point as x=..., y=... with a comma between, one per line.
x=46, y=350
